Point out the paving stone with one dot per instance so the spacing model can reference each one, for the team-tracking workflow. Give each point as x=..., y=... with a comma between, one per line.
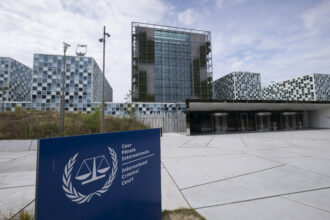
x=16, y=179
x=14, y=155
x=191, y=171
x=21, y=164
x=14, y=145
x=168, y=152
x=315, y=152
x=277, y=153
x=14, y=199
x=317, y=165
x=171, y=196
x=267, y=183
x=319, y=198
x=265, y=209
x=198, y=141
x=249, y=165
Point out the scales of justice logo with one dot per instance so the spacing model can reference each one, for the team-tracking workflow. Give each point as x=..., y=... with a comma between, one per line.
x=90, y=170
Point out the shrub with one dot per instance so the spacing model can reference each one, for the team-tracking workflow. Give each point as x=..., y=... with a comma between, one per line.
x=35, y=124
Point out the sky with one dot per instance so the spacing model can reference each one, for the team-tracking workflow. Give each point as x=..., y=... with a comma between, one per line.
x=280, y=39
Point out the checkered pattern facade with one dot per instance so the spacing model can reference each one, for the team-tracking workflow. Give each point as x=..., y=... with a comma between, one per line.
x=322, y=85
x=97, y=86
x=224, y=88
x=238, y=86
x=313, y=87
x=17, y=78
x=114, y=109
x=83, y=83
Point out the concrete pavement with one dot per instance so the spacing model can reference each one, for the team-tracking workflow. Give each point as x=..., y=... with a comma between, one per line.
x=273, y=175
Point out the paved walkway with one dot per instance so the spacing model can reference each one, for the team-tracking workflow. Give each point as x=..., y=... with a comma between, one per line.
x=275, y=175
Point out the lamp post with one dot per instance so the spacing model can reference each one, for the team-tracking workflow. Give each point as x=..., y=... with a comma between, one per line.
x=65, y=47
x=102, y=40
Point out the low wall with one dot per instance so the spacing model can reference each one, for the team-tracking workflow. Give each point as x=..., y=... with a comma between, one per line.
x=320, y=118
x=168, y=122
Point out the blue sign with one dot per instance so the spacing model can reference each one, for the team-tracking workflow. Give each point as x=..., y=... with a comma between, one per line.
x=101, y=176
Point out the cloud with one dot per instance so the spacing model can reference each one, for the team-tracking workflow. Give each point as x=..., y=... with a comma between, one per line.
x=40, y=26
x=188, y=17
x=219, y=3
x=288, y=42
x=281, y=41
x=318, y=15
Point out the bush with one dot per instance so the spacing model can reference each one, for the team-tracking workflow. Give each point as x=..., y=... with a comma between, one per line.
x=22, y=215
x=182, y=214
x=35, y=124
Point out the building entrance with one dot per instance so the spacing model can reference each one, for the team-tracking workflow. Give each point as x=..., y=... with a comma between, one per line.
x=291, y=120
x=263, y=121
x=220, y=122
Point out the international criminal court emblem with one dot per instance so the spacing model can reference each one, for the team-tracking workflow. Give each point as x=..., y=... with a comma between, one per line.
x=90, y=170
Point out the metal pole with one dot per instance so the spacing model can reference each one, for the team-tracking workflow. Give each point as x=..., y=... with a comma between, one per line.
x=65, y=47
x=102, y=40
x=102, y=116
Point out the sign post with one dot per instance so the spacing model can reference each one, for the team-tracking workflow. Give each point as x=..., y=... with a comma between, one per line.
x=101, y=176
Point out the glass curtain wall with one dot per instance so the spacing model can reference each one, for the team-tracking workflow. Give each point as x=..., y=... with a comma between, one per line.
x=172, y=66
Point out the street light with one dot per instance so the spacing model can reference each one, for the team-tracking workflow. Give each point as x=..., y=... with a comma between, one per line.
x=65, y=47
x=102, y=40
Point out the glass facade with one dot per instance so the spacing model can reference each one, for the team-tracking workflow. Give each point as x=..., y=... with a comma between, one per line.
x=16, y=77
x=170, y=64
x=313, y=87
x=117, y=109
x=238, y=86
x=247, y=86
x=82, y=82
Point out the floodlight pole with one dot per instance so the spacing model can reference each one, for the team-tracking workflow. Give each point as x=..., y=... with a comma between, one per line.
x=102, y=40
x=65, y=47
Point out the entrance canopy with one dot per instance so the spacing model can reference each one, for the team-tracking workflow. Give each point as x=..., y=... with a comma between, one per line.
x=260, y=105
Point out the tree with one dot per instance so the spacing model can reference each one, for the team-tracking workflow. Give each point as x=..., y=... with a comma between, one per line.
x=130, y=109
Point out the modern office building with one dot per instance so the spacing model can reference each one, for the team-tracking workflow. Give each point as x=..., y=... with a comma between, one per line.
x=83, y=83
x=15, y=80
x=238, y=86
x=241, y=105
x=219, y=116
x=312, y=87
x=170, y=64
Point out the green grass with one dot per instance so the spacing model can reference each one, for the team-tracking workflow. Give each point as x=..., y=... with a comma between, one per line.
x=182, y=214
x=36, y=124
x=22, y=215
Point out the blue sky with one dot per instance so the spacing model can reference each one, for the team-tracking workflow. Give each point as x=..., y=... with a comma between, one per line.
x=279, y=39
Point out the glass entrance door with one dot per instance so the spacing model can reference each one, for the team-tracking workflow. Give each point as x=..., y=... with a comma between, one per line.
x=220, y=122
x=244, y=122
x=289, y=120
x=263, y=121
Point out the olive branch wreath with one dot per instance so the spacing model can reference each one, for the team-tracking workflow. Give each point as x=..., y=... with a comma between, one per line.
x=70, y=190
